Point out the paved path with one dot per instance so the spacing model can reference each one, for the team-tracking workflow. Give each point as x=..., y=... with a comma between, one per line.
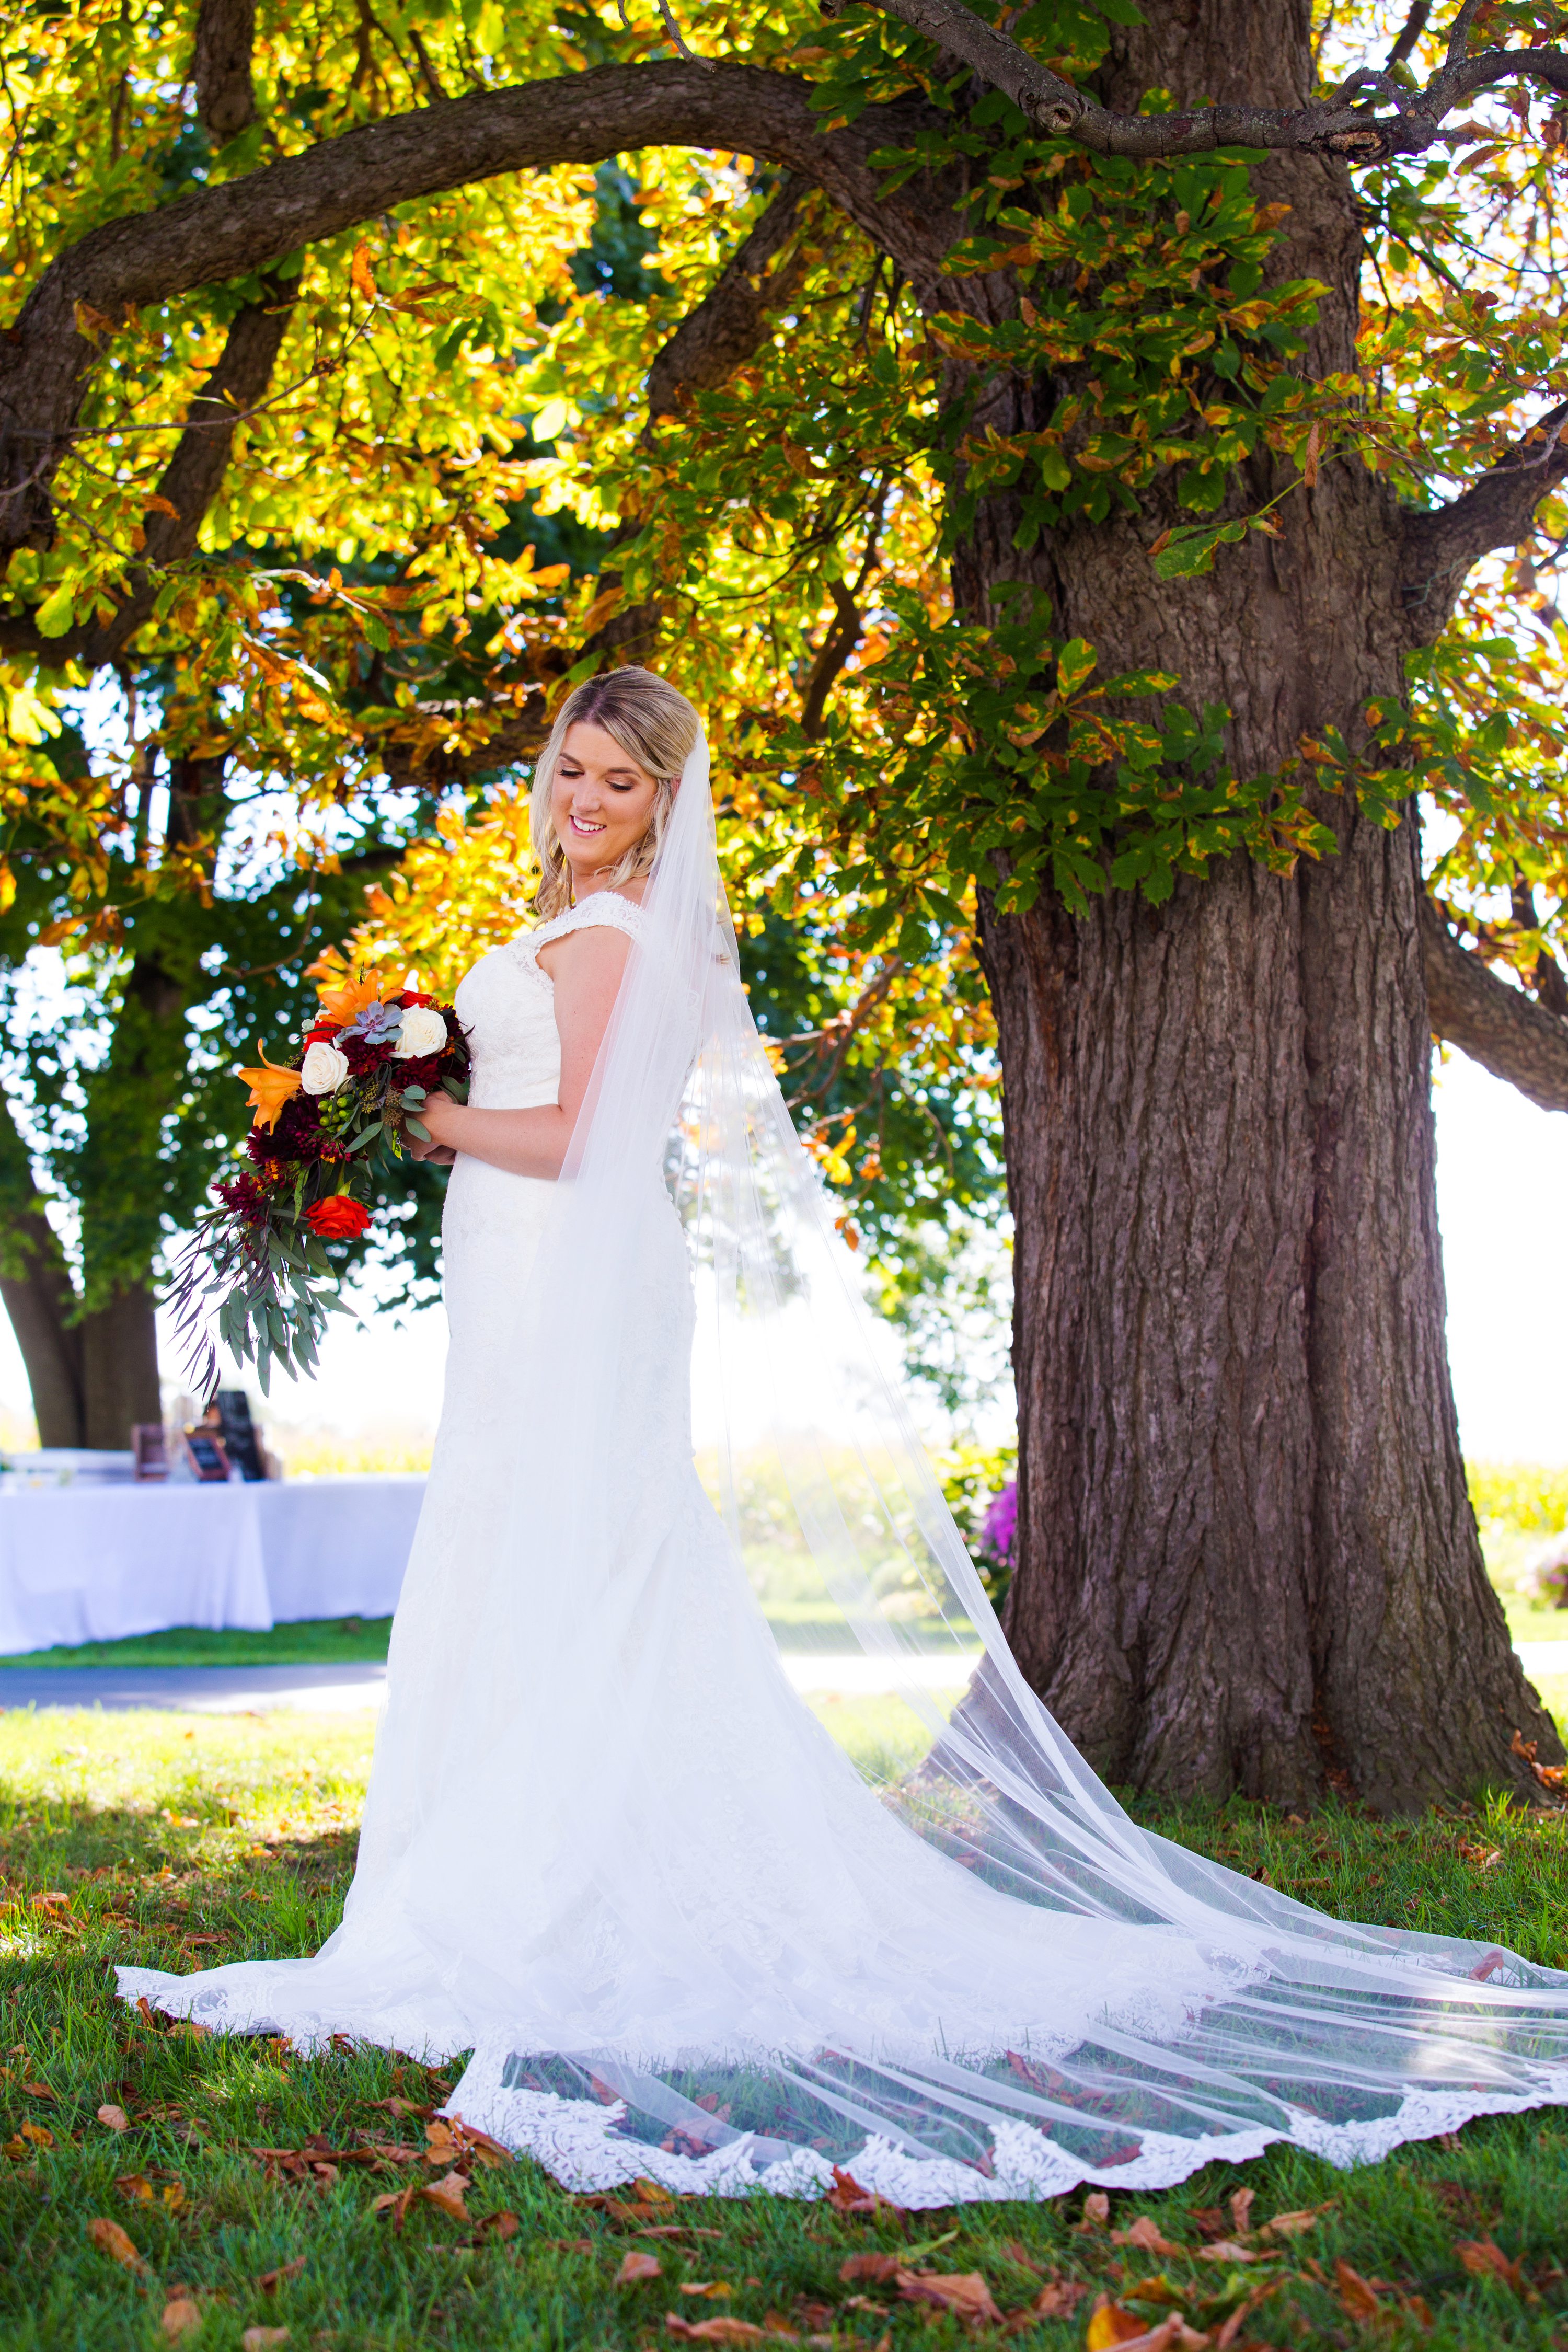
x=337, y=1690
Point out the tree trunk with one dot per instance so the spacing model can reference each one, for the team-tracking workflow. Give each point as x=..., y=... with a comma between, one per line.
x=35, y=1286
x=1246, y=1556
x=119, y=1369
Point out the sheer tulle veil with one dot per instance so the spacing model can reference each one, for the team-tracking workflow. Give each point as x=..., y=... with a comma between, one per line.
x=678, y=1935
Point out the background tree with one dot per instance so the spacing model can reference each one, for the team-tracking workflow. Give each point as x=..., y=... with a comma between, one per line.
x=1060, y=458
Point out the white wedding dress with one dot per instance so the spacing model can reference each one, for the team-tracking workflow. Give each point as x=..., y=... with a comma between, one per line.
x=611, y=1853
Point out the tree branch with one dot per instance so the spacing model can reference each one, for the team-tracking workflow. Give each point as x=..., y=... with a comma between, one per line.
x=249, y=223
x=1359, y=131
x=225, y=37
x=1496, y=1026
x=1497, y=510
x=724, y=330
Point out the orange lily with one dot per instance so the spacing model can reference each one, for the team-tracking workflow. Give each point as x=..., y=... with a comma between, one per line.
x=342, y=1003
x=271, y=1087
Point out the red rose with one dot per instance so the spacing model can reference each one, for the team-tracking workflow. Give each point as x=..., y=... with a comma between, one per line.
x=322, y=1034
x=413, y=996
x=339, y=1218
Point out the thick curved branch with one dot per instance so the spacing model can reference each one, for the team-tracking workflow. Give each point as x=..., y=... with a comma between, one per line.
x=1497, y=510
x=1496, y=1026
x=225, y=37
x=1341, y=127
x=249, y=223
x=724, y=330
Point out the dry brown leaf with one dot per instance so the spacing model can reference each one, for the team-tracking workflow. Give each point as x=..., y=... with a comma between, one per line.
x=134, y=2185
x=402, y=2108
x=877, y=2269
x=270, y=2281
x=846, y=2196
x=1484, y=2257
x=264, y=2339
x=112, y=2239
x=637, y=2268
x=1145, y=2232
x=115, y=2117
x=964, y=2293
x=714, y=2289
x=180, y=2316
x=1095, y=2210
x=396, y=2203
x=1113, y=2329
x=1241, y=2205
x=1226, y=2250
x=506, y=2224
x=37, y=2134
x=651, y=2193
x=1358, y=2294
x=717, y=2331
x=448, y=2193
x=1244, y=2311
x=1291, y=2225
x=1060, y=2299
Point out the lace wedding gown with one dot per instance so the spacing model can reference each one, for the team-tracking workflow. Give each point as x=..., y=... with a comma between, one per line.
x=608, y=1851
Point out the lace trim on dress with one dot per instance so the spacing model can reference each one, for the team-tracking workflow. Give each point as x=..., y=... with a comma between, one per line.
x=605, y=908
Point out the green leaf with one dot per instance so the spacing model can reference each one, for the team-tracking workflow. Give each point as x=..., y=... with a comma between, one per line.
x=55, y=613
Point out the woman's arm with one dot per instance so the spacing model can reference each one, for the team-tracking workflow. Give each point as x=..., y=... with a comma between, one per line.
x=587, y=967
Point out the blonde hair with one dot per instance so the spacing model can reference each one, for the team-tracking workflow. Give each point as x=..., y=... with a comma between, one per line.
x=655, y=724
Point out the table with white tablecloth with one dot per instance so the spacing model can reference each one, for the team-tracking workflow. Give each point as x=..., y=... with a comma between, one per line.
x=96, y=1562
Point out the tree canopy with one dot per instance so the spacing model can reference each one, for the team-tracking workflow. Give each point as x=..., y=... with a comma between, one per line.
x=371, y=373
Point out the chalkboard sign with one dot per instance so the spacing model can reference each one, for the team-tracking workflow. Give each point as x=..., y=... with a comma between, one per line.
x=240, y=1440
x=206, y=1455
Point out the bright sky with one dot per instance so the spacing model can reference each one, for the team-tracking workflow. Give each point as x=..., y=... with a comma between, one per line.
x=1502, y=1176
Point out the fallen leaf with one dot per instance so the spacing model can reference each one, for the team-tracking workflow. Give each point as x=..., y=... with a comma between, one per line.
x=846, y=2196
x=1291, y=2225
x=180, y=2316
x=1226, y=2250
x=1241, y=2206
x=112, y=2239
x=1060, y=2299
x=1483, y=2258
x=637, y=2268
x=1145, y=2232
x=134, y=2185
x=719, y=2331
x=964, y=2293
x=499, y=2226
x=396, y=2203
x=270, y=2281
x=40, y=2091
x=448, y=2193
x=1244, y=2311
x=115, y=2117
x=263, y=2339
x=1095, y=2210
x=17, y=2148
x=715, y=2289
x=477, y=2143
x=651, y=2193
x=875, y=2268
x=38, y=2134
x=1110, y=2324
x=1357, y=2295
x=402, y=2108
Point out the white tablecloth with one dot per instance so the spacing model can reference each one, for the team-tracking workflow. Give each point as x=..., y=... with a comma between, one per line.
x=96, y=1563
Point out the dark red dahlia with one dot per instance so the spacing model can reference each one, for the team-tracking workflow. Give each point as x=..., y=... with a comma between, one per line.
x=245, y=1198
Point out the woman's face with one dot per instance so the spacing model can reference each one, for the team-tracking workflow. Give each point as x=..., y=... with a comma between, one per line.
x=601, y=800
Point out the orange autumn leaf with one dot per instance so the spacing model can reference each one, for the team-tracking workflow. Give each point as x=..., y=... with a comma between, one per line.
x=112, y=2239
x=180, y=2316
x=447, y=2193
x=271, y=1087
x=361, y=273
x=720, y=2331
x=1358, y=2296
x=637, y=2269
x=1483, y=2258
x=115, y=2117
x=963, y=2293
x=1145, y=2232
x=1110, y=2326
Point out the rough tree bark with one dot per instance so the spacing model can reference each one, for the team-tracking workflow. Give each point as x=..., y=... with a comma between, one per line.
x=1248, y=1558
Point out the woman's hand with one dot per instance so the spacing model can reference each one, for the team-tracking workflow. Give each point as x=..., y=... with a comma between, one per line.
x=438, y=1152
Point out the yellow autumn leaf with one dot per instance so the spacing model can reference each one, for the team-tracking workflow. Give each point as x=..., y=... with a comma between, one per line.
x=361, y=274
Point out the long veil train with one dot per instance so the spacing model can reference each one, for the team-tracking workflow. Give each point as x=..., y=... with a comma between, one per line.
x=610, y=1852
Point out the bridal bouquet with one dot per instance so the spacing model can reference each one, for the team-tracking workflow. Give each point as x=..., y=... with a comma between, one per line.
x=364, y=1072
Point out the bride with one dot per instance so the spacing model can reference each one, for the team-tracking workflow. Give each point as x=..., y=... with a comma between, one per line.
x=607, y=1849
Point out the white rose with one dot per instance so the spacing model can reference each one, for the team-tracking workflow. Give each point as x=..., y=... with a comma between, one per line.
x=324, y=1069
x=424, y=1032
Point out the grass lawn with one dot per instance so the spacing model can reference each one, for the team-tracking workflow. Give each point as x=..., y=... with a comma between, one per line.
x=177, y=1842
